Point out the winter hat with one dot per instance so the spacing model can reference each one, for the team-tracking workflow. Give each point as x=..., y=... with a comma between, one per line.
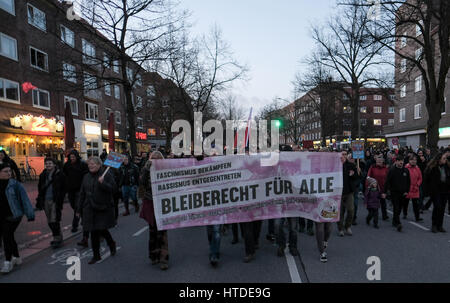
x=371, y=181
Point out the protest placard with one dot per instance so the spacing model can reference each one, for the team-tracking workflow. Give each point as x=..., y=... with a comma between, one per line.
x=114, y=160
x=357, y=149
x=230, y=189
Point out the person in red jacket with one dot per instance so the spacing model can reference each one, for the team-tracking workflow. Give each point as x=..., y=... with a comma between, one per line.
x=414, y=190
x=379, y=172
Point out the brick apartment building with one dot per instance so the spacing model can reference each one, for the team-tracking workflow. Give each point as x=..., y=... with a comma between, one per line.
x=67, y=62
x=410, y=121
x=376, y=106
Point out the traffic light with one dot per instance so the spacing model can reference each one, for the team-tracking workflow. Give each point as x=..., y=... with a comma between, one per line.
x=278, y=123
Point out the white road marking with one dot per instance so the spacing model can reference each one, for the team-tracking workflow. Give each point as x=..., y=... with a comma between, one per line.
x=107, y=255
x=140, y=231
x=295, y=277
x=419, y=226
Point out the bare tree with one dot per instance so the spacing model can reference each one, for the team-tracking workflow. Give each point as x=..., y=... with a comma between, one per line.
x=230, y=109
x=345, y=47
x=204, y=68
x=432, y=19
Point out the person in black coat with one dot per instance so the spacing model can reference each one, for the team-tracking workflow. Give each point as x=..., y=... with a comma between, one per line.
x=51, y=198
x=96, y=204
x=4, y=158
x=437, y=185
x=397, y=184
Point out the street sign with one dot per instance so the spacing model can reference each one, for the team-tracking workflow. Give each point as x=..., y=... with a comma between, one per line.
x=358, y=149
x=114, y=160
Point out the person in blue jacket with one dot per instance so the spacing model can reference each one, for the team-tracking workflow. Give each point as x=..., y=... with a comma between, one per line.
x=14, y=204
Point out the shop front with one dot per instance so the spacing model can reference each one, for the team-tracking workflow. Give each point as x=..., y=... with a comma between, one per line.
x=142, y=144
x=28, y=137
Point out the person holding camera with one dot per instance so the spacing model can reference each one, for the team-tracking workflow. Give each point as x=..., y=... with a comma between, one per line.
x=14, y=204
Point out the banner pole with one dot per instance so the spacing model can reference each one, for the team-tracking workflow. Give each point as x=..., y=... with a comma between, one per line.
x=105, y=172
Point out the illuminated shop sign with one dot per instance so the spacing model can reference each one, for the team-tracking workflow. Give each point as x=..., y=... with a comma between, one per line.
x=141, y=136
x=37, y=125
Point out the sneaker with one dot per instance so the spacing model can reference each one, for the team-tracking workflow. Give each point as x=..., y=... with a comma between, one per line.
x=323, y=257
x=94, y=260
x=164, y=266
x=399, y=227
x=16, y=261
x=294, y=251
x=434, y=229
x=213, y=261
x=341, y=233
x=280, y=252
x=7, y=267
x=440, y=229
x=348, y=232
x=325, y=244
x=248, y=258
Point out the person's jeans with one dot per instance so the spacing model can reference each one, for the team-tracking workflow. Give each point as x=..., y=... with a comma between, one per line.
x=251, y=232
x=397, y=203
x=302, y=222
x=73, y=200
x=355, y=202
x=323, y=232
x=8, y=229
x=127, y=193
x=281, y=237
x=347, y=205
x=439, y=203
x=373, y=213
x=213, y=232
x=416, y=207
x=95, y=241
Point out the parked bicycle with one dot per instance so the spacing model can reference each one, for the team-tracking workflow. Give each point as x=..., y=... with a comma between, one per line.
x=28, y=172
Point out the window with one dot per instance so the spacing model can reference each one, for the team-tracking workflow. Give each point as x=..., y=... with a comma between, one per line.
x=129, y=74
x=88, y=53
x=138, y=102
x=377, y=97
x=8, y=5
x=107, y=88
x=152, y=132
x=418, y=53
x=402, y=115
x=41, y=99
x=9, y=91
x=92, y=148
x=162, y=133
x=118, y=118
x=39, y=59
x=418, y=30
x=8, y=46
x=150, y=91
x=403, y=91
x=67, y=36
x=418, y=84
x=36, y=18
x=108, y=113
x=363, y=98
x=106, y=61
x=116, y=66
x=345, y=97
x=364, y=109
x=417, y=111
x=392, y=97
x=391, y=109
x=363, y=122
x=138, y=80
x=90, y=83
x=117, y=92
x=403, y=65
x=377, y=109
x=404, y=40
x=140, y=122
x=391, y=122
x=91, y=111
x=73, y=103
x=377, y=122
x=347, y=109
x=69, y=73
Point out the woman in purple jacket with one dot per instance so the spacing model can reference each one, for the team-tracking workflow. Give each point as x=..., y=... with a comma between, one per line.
x=372, y=200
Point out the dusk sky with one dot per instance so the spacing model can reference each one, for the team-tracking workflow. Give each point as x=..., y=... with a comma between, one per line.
x=271, y=37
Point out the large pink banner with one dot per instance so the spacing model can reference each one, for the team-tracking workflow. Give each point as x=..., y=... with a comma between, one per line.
x=237, y=188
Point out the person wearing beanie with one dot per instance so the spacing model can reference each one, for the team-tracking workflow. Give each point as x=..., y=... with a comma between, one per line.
x=372, y=200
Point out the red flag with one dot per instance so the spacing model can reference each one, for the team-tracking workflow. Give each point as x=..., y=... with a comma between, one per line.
x=27, y=86
x=111, y=138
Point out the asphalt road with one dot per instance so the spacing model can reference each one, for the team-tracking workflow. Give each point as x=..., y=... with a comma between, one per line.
x=414, y=255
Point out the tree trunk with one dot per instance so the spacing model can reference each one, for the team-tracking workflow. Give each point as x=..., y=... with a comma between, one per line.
x=434, y=113
x=131, y=120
